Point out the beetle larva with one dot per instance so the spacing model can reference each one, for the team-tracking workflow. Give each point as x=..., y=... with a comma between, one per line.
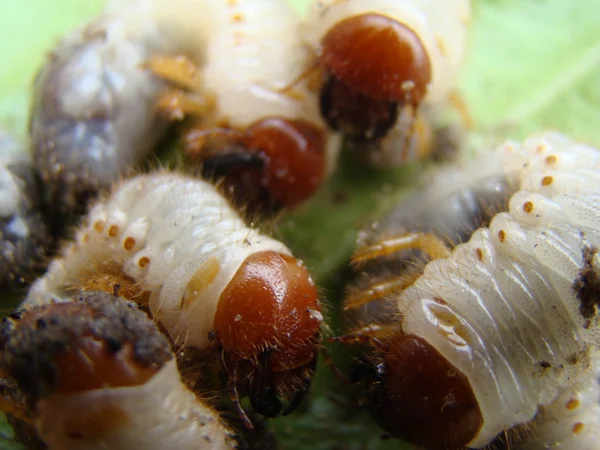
x=93, y=115
x=383, y=59
x=174, y=243
x=239, y=67
x=23, y=232
x=98, y=374
x=491, y=332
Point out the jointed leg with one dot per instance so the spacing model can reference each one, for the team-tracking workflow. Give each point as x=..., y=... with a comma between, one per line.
x=428, y=243
x=178, y=70
x=359, y=297
x=187, y=97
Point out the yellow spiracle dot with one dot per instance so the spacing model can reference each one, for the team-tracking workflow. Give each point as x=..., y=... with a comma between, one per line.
x=143, y=261
x=528, y=207
x=99, y=226
x=550, y=160
x=572, y=404
x=547, y=180
x=577, y=427
x=113, y=230
x=129, y=243
x=479, y=254
x=501, y=235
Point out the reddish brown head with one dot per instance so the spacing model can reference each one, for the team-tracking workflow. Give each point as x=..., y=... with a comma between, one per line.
x=267, y=321
x=417, y=395
x=373, y=63
x=95, y=341
x=275, y=163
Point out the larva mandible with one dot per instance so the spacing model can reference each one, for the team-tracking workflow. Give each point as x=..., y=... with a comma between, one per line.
x=93, y=115
x=23, y=231
x=383, y=59
x=239, y=67
x=495, y=330
x=97, y=373
x=174, y=244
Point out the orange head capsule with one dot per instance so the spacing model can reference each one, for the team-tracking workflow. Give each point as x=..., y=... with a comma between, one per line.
x=373, y=64
x=267, y=322
x=97, y=341
x=275, y=163
x=417, y=395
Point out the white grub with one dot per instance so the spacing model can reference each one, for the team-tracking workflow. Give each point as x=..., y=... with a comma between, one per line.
x=183, y=234
x=440, y=24
x=513, y=307
x=93, y=117
x=249, y=54
x=442, y=28
x=97, y=373
x=160, y=414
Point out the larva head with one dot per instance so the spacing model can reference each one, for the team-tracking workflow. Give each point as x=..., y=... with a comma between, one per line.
x=96, y=341
x=275, y=163
x=417, y=395
x=267, y=321
x=373, y=63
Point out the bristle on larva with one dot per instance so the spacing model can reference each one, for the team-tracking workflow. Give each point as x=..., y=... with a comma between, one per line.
x=381, y=62
x=93, y=117
x=512, y=314
x=174, y=244
x=98, y=373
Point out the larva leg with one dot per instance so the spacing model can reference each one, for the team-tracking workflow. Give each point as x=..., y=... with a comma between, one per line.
x=428, y=243
x=175, y=104
x=185, y=99
x=378, y=290
x=179, y=70
x=371, y=335
x=197, y=139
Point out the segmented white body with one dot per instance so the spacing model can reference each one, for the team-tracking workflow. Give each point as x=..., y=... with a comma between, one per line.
x=160, y=414
x=176, y=236
x=442, y=27
x=23, y=232
x=503, y=308
x=572, y=421
x=93, y=115
x=249, y=53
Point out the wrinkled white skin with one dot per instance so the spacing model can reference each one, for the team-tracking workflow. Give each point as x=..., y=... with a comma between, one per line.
x=442, y=27
x=194, y=240
x=158, y=415
x=93, y=115
x=572, y=420
x=516, y=307
x=248, y=52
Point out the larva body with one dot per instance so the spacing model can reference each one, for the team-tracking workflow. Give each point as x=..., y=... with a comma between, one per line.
x=248, y=92
x=212, y=281
x=23, y=231
x=508, y=322
x=382, y=59
x=99, y=374
x=93, y=114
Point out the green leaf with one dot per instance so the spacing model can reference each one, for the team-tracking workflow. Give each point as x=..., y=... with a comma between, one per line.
x=532, y=65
